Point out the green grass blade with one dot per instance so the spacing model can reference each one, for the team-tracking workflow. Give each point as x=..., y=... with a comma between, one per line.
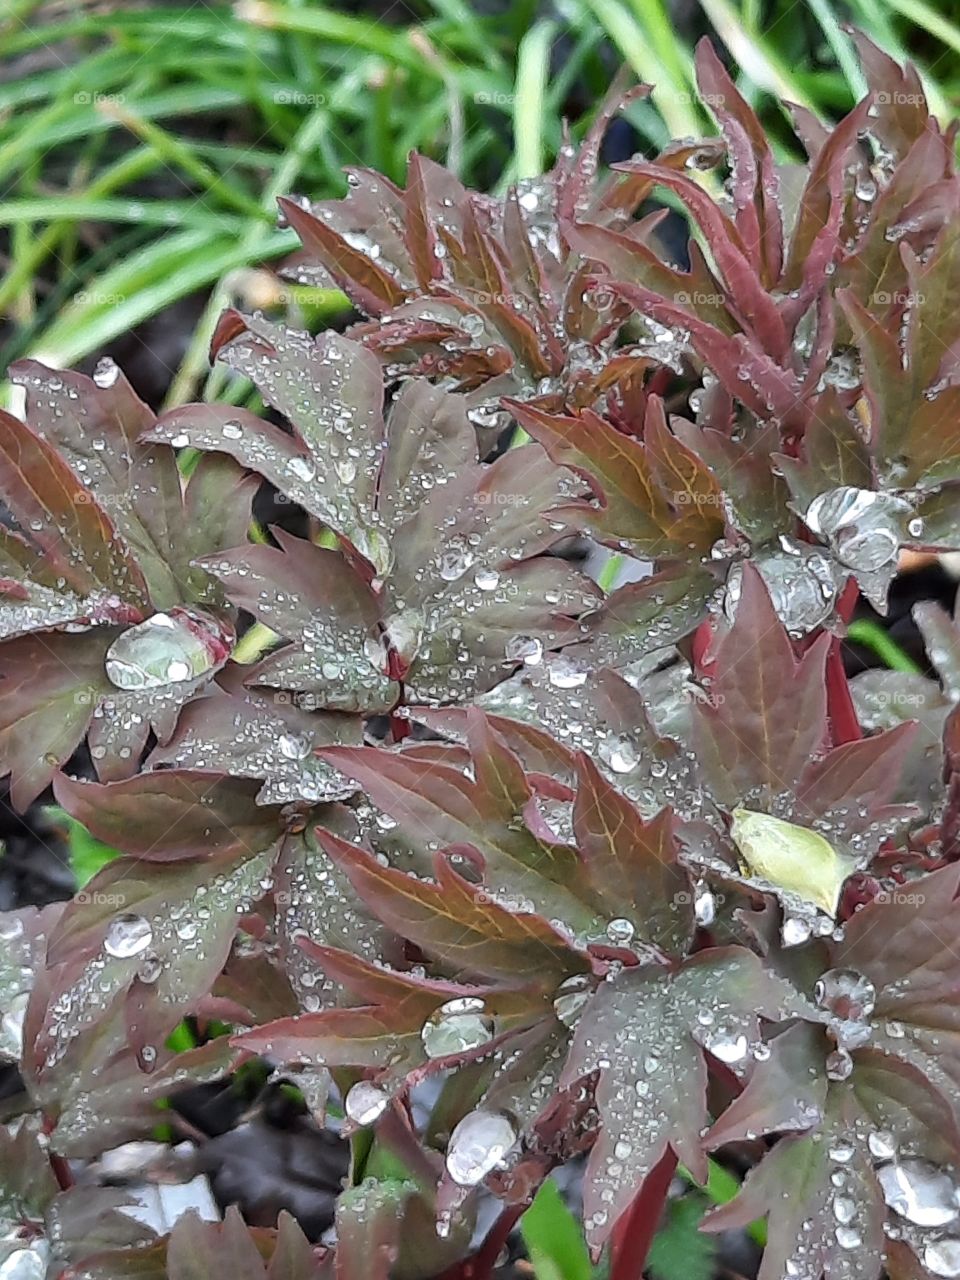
x=529, y=107
x=554, y=1238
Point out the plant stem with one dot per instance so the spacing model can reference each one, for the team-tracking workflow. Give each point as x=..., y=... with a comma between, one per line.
x=872, y=636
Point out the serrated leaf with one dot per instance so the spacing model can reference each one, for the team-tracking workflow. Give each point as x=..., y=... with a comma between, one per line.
x=258, y=733
x=631, y=863
x=793, y=1185
x=651, y=1092
x=457, y=921
x=763, y=717
x=437, y=806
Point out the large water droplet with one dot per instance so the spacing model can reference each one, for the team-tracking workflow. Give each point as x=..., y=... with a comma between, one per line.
x=302, y=468
x=865, y=528
x=127, y=935
x=168, y=648
x=728, y=1044
x=620, y=931
x=477, y=1145
x=26, y=1264
x=365, y=1102
x=919, y=1192
x=564, y=673
x=487, y=579
x=454, y=563
x=571, y=998
x=801, y=583
x=106, y=373
x=293, y=746
x=942, y=1257
x=525, y=649
x=619, y=752
x=456, y=1027
x=849, y=998
x=882, y=1144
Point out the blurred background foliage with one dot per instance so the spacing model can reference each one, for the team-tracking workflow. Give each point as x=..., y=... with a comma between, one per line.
x=142, y=144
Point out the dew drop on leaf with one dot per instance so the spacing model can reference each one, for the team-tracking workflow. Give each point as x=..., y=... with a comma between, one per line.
x=456, y=1027
x=839, y=1065
x=572, y=995
x=487, y=579
x=525, y=649
x=620, y=931
x=942, y=1257
x=882, y=1144
x=863, y=526
x=127, y=935
x=106, y=373
x=477, y=1145
x=919, y=1192
x=727, y=1044
x=168, y=648
x=564, y=673
x=796, y=931
x=619, y=753
x=848, y=1238
x=704, y=905
x=302, y=468
x=293, y=746
x=365, y=1102
x=150, y=968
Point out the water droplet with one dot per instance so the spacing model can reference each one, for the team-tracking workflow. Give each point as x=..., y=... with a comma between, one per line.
x=365, y=1102
x=864, y=527
x=882, y=1144
x=728, y=1044
x=848, y=1238
x=620, y=931
x=704, y=905
x=478, y=1145
x=106, y=373
x=796, y=931
x=942, y=1257
x=571, y=998
x=168, y=648
x=232, y=431
x=620, y=753
x=455, y=563
x=302, y=468
x=149, y=968
x=839, y=1065
x=127, y=935
x=919, y=1192
x=293, y=746
x=487, y=579
x=525, y=649
x=564, y=673
x=456, y=1027
x=844, y=1209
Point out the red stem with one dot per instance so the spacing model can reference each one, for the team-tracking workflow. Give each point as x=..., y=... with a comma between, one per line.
x=481, y=1265
x=844, y=725
x=633, y=1234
